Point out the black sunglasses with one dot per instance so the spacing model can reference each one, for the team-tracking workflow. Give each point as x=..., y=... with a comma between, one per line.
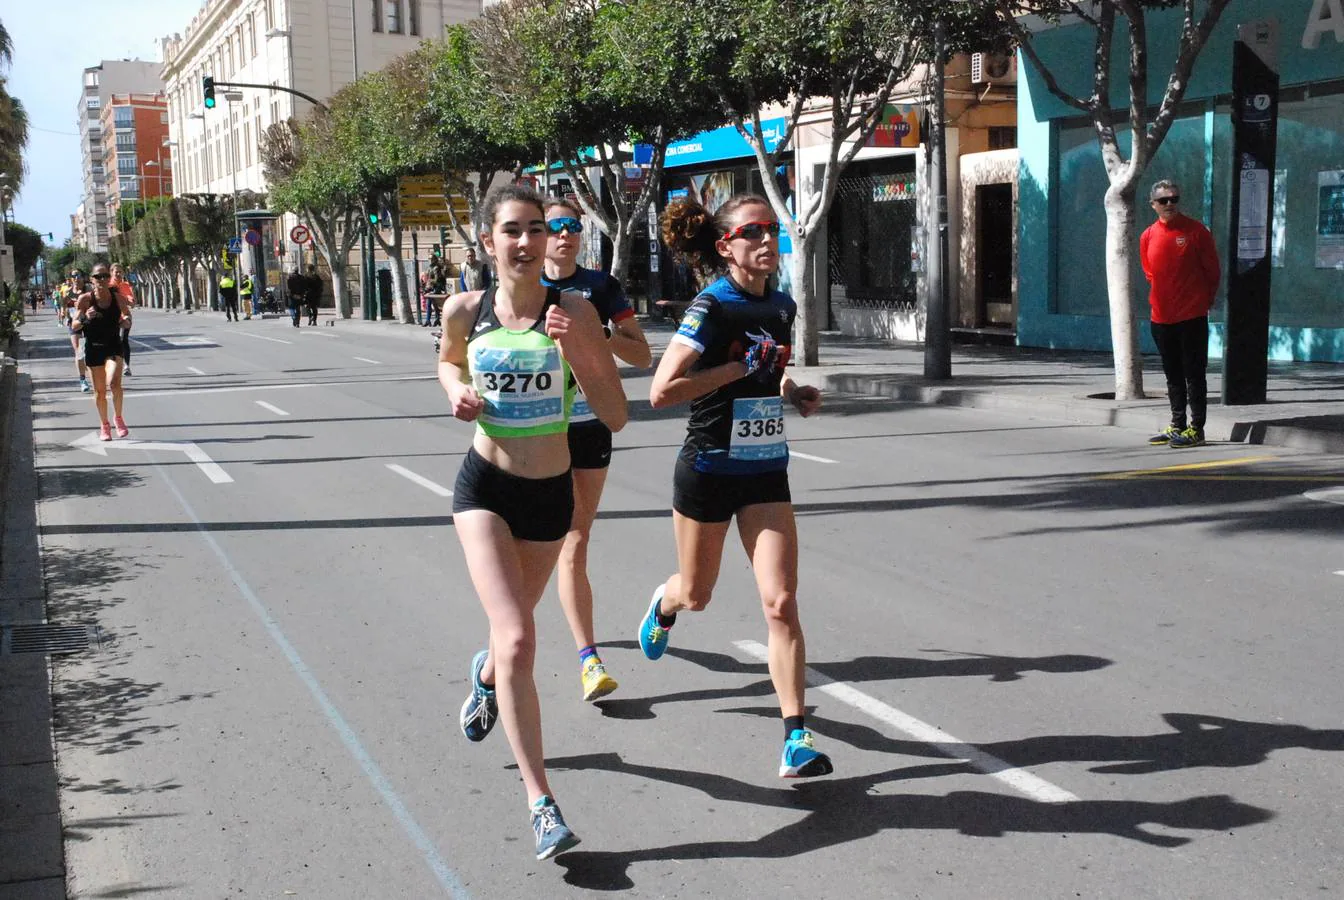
x=572, y=225
x=101, y=276
x=1166, y=201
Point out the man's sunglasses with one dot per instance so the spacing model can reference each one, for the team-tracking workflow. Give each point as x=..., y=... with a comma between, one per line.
x=101, y=276
x=1166, y=201
x=753, y=231
x=573, y=226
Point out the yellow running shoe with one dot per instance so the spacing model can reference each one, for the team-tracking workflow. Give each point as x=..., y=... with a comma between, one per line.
x=596, y=682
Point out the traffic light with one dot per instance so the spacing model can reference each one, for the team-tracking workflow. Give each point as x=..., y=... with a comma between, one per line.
x=208, y=83
x=437, y=251
x=443, y=234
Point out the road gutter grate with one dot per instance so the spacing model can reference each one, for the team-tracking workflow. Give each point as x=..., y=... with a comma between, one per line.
x=49, y=639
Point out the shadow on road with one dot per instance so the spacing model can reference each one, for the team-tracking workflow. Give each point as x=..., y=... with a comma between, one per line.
x=843, y=810
x=863, y=669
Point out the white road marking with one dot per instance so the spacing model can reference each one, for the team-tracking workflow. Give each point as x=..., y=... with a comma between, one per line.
x=447, y=878
x=1019, y=780
x=1329, y=495
x=92, y=443
x=142, y=345
x=140, y=395
x=820, y=459
x=191, y=340
x=262, y=337
x=420, y=480
x=372, y=362
x=272, y=407
x=309, y=330
x=194, y=370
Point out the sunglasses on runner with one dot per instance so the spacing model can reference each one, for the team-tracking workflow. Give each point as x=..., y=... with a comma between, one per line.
x=572, y=225
x=753, y=231
x=101, y=276
x=1166, y=201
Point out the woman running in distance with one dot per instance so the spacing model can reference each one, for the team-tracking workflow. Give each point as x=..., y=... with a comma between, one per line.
x=505, y=363
x=99, y=317
x=122, y=288
x=728, y=360
x=71, y=291
x=589, y=439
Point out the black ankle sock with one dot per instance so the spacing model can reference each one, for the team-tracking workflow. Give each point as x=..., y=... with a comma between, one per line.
x=791, y=723
x=664, y=620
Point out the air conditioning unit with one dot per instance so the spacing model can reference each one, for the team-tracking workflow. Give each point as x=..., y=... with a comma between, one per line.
x=993, y=68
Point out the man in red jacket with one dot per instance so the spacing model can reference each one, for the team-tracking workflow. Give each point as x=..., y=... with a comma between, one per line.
x=1181, y=264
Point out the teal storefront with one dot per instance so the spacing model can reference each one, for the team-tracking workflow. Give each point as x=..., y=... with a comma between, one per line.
x=1062, y=289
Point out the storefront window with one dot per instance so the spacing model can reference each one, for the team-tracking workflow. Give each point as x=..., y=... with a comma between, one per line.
x=869, y=228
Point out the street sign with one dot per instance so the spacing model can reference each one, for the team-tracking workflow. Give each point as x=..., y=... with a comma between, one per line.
x=300, y=234
x=253, y=237
x=235, y=245
x=428, y=220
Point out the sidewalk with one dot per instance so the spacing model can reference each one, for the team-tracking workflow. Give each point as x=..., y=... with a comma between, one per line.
x=1305, y=409
x=32, y=861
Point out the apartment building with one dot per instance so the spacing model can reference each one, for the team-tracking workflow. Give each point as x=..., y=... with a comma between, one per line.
x=124, y=76
x=313, y=46
x=136, y=155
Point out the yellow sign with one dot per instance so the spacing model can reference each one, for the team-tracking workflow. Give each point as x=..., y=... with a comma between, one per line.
x=429, y=220
x=422, y=184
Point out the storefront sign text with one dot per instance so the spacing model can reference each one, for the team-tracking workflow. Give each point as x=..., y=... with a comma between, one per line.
x=1326, y=17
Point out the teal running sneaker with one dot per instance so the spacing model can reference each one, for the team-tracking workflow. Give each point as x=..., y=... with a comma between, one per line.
x=801, y=759
x=481, y=708
x=553, y=835
x=652, y=636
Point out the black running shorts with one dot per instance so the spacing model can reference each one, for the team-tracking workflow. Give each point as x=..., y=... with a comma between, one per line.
x=590, y=445
x=707, y=497
x=535, y=509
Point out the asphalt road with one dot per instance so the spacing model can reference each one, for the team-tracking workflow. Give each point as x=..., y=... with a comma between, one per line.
x=1048, y=664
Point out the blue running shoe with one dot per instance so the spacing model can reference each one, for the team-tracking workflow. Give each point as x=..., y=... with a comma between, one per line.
x=801, y=759
x=553, y=835
x=652, y=636
x=480, y=709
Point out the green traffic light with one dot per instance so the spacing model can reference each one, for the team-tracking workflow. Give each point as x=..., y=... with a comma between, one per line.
x=209, y=102
x=373, y=218
x=208, y=85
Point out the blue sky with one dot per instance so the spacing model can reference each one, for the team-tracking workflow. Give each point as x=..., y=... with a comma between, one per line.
x=54, y=42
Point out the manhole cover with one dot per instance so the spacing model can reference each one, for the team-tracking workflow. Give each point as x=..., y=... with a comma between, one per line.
x=51, y=639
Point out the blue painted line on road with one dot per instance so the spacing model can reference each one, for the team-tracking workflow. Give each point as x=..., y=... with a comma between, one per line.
x=447, y=878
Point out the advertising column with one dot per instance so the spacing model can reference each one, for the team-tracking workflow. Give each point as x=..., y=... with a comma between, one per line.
x=1255, y=115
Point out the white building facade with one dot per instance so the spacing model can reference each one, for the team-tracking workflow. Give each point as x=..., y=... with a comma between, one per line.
x=100, y=82
x=312, y=46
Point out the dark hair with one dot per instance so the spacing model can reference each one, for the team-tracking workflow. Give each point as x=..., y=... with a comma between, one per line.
x=509, y=193
x=561, y=202
x=691, y=231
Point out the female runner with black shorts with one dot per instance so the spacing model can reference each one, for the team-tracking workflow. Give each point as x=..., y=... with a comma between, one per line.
x=728, y=360
x=505, y=363
x=99, y=317
x=589, y=439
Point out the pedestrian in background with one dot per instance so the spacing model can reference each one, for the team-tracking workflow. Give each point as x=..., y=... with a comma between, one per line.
x=475, y=275
x=74, y=286
x=245, y=291
x=228, y=292
x=1181, y=264
x=313, y=293
x=296, y=286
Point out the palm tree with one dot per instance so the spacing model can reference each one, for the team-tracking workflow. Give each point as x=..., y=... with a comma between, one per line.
x=13, y=121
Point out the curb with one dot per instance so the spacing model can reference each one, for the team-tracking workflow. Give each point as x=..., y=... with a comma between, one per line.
x=1294, y=434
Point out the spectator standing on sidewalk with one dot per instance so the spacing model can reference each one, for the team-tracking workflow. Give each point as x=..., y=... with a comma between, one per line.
x=245, y=291
x=1181, y=263
x=228, y=292
x=313, y=294
x=475, y=276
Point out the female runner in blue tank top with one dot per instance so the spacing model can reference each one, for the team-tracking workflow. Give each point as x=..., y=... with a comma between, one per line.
x=727, y=359
x=513, y=498
x=589, y=439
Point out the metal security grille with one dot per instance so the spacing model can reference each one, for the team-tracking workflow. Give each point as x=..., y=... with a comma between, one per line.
x=49, y=639
x=869, y=228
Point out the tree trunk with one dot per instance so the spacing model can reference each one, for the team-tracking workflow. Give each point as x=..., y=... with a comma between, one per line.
x=401, y=304
x=1120, y=218
x=620, y=245
x=806, y=340
x=340, y=295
